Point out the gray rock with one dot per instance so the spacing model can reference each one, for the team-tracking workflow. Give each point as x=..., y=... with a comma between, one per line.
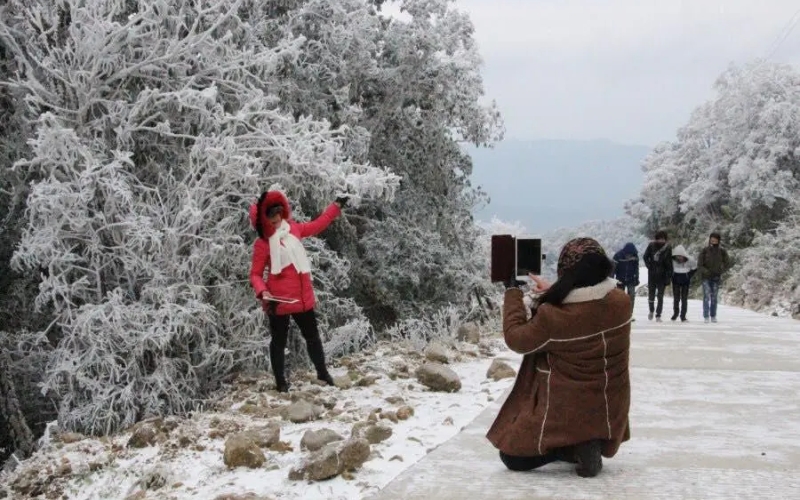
x=373, y=433
x=438, y=378
x=302, y=411
x=146, y=433
x=343, y=382
x=437, y=353
x=377, y=433
x=316, y=440
x=242, y=451
x=71, y=437
x=499, y=370
x=405, y=412
x=323, y=464
x=353, y=453
x=332, y=460
x=469, y=332
x=264, y=437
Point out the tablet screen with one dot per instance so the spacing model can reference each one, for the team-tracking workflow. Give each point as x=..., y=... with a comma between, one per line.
x=529, y=256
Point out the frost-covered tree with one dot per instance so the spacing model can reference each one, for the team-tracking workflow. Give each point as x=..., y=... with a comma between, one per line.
x=433, y=67
x=735, y=165
x=23, y=410
x=769, y=275
x=156, y=124
x=414, y=85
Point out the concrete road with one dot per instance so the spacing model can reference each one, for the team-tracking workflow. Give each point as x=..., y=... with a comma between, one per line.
x=715, y=415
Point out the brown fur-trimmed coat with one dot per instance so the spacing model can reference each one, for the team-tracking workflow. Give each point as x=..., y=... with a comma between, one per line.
x=573, y=384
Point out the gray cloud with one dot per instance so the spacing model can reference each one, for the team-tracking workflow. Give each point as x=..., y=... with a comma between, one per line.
x=627, y=70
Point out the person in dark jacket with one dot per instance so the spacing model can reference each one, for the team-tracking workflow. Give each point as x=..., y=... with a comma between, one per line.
x=626, y=269
x=712, y=263
x=683, y=268
x=658, y=259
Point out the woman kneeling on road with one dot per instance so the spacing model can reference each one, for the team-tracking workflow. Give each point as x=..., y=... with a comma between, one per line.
x=571, y=398
x=288, y=291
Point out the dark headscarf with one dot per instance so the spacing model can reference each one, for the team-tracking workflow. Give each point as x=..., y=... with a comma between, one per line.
x=574, y=251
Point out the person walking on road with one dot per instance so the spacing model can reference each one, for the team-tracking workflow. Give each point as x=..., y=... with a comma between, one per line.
x=626, y=270
x=658, y=259
x=683, y=268
x=712, y=263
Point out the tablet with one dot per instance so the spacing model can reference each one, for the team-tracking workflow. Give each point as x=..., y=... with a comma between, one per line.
x=528, y=256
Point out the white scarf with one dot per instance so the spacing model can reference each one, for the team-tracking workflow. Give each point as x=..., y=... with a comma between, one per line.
x=589, y=293
x=583, y=294
x=285, y=249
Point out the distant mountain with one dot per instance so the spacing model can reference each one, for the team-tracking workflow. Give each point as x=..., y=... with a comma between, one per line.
x=549, y=184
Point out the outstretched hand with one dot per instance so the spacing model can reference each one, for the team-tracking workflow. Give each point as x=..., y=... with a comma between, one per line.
x=342, y=201
x=542, y=285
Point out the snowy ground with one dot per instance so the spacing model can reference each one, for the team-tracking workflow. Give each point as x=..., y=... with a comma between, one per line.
x=189, y=462
x=713, y=415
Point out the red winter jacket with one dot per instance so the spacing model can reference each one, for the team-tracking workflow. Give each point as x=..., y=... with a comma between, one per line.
x=289, y=283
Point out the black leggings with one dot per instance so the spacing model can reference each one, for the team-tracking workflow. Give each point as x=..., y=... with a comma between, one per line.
x=680, y=295
x=655, y=292
x=279, y=329
x=521, y=464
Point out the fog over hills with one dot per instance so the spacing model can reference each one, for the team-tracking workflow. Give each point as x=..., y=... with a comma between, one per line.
x=547, y=184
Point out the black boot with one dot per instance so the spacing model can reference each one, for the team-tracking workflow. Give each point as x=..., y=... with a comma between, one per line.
x=307, y=322
x=325, y=377
x=276, y=358
x=590, y=461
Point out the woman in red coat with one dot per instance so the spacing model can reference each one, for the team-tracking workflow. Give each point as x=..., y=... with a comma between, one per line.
x=287, y=291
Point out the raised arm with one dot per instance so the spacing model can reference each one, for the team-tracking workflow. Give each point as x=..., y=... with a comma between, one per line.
x=521, y=335
x=259, y=263
x=319, y=224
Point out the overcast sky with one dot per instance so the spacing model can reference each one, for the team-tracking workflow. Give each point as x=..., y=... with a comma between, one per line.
x=626, y=70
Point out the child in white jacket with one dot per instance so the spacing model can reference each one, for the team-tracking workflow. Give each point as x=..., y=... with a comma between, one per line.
x=683, y=268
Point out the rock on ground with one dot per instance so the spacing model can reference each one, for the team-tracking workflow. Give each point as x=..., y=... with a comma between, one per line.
x=405, y=412
x=316, y=440
x=332, y=460
x=242, y=451
x=71, y=437
x=500, y=370
x=373, y=433
x=469, y=332
x=266, y=436
x=146, y=433
x=302, y=411
x=437, y=353
x=438, y=378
